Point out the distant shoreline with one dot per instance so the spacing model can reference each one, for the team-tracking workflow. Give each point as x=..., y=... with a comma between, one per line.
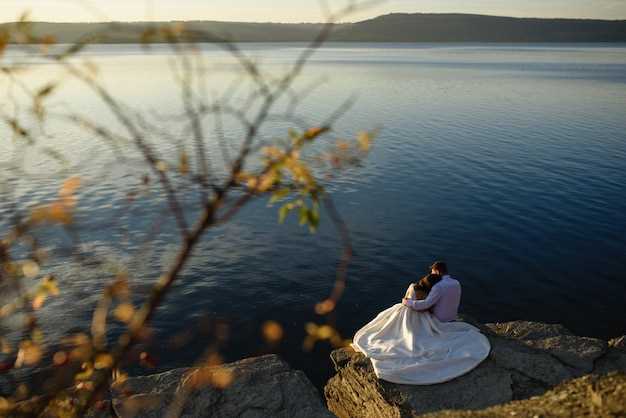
x=395, y=27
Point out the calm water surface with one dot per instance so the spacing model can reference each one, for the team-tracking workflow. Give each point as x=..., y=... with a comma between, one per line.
x=508, y=161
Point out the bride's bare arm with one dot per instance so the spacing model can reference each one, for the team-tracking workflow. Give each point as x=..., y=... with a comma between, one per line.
x=414, y=293
x=421, y=305
x=410, y=292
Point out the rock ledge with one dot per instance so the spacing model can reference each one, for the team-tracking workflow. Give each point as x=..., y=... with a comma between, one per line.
x=527, y=360
x=256, y=388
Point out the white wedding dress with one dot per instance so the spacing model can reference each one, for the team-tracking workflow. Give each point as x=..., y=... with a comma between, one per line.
x=415, y=348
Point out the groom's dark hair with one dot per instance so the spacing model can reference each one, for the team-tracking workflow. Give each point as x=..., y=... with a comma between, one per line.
x=440, y=267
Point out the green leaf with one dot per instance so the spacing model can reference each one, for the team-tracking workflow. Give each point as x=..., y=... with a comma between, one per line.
x=279, y=194
x=283, y=212
x=314, y=217
x=304, y=215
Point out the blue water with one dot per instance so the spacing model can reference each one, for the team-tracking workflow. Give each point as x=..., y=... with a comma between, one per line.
x=507, y=161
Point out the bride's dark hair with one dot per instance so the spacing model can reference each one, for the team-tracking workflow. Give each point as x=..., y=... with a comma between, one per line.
x=427, y=282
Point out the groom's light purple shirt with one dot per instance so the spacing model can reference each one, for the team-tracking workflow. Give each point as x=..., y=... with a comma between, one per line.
x=444, y=299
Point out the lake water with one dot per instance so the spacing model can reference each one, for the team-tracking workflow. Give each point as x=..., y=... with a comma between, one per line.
x=508, y=161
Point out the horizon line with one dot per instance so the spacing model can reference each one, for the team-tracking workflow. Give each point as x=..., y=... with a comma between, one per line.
x=312, y=23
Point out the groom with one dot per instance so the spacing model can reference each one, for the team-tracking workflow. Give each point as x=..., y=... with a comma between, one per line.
x=443, y=299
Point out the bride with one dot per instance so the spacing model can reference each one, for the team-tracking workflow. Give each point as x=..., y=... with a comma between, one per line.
x=414, y=347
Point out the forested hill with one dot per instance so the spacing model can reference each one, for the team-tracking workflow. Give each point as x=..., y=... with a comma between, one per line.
x=396, y=27
x=402, y=27
x=201, y=31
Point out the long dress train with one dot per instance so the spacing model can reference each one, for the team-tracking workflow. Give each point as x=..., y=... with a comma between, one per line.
x=410, y=347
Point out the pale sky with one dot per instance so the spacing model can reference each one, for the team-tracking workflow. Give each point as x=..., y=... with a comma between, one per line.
x=292, y=10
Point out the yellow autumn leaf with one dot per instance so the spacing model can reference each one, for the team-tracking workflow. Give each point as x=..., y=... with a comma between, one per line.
x=311, y=328
x=38, y=301
x=59, y=212
x=103, y=361
x=183, y=166
x=29, y=354
x=218, y=377
x=55, y=212
x=266, y=181
x=69, y=186
x=313, y=132
x=324, y=332
x=86, y=373
x=162, y=166
x=5, y=346
x=365, y=141
x=272, y=331
x=252, y=183
x=119, y=376
x=50, y=285
x=5, y=404
x=222, y=378
x=325, y=307
x=87, y=385
x=124, y=312
x=30, y=269
x=39, y=214
x=60, y=358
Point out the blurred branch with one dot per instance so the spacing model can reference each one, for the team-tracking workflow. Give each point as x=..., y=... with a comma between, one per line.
x=283, y=173
x=147, y=151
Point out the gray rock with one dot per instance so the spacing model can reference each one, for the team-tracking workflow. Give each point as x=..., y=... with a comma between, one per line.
x=485, y=386
x=165, y=382
x=253, y=388
x=356, y=392
x=526, y=360
x=615, y=358
x=613, y=361
x=526, y=330
x=588, y=396
x=576, y=352
x=528, y=364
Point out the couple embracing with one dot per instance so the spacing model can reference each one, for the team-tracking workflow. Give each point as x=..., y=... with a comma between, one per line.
x=419, y=341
